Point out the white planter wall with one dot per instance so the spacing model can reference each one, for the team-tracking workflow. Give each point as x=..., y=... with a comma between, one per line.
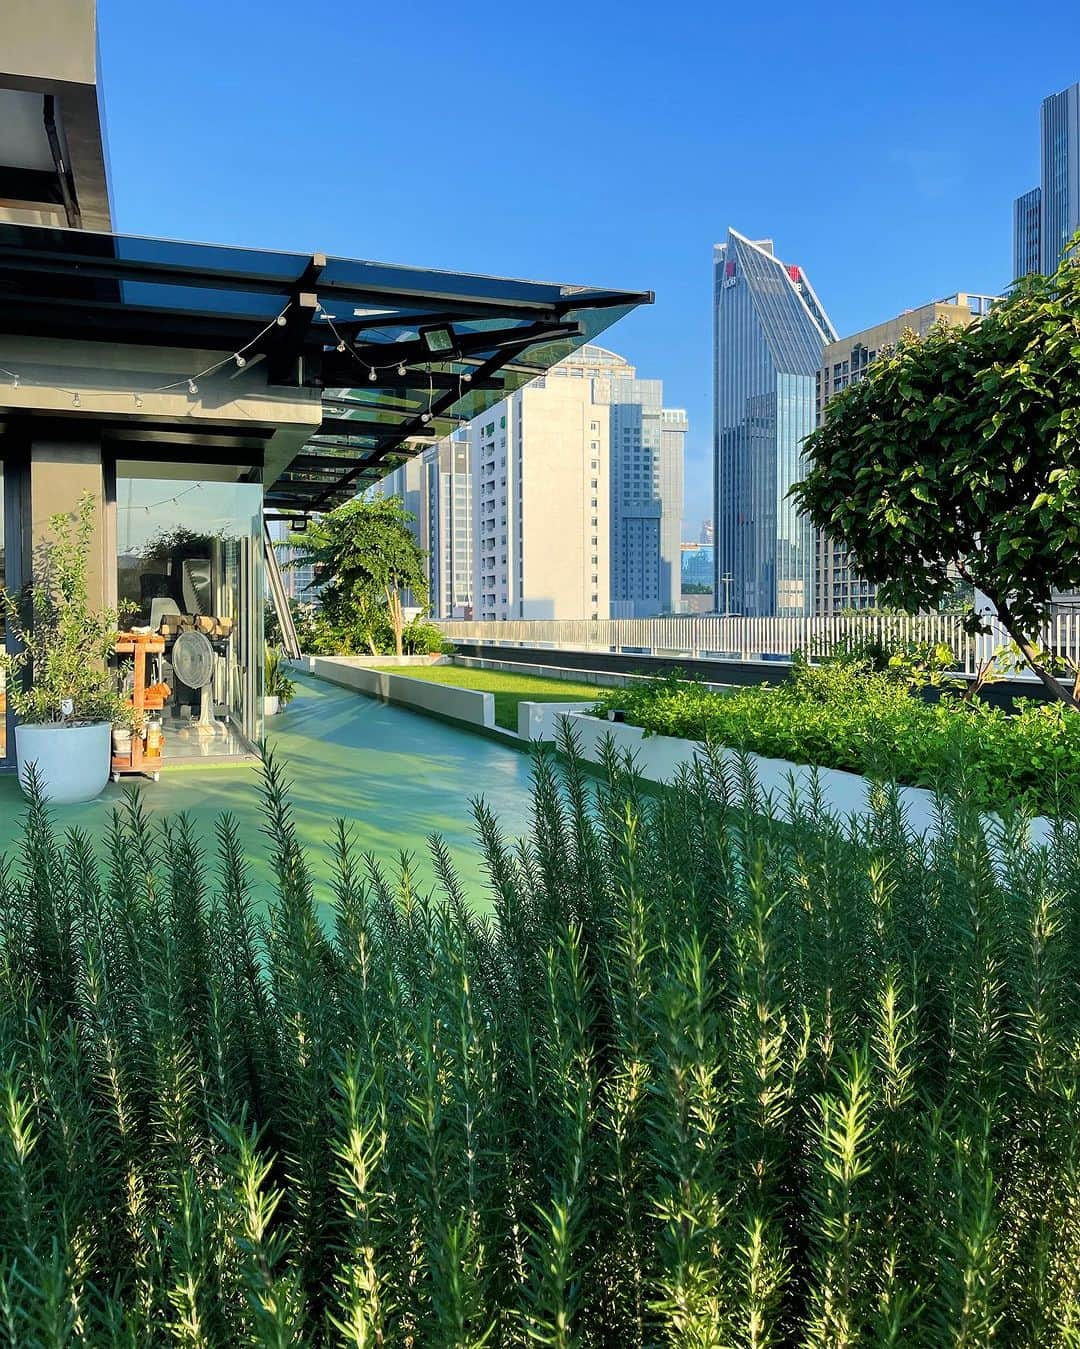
x=660, y=757
x=468, y=705
x=540, y=721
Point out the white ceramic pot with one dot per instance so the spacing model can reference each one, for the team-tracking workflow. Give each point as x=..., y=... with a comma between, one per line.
x=72, y=762
x=271, y=704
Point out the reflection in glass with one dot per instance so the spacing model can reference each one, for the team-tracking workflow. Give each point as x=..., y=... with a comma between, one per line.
x=189, y=555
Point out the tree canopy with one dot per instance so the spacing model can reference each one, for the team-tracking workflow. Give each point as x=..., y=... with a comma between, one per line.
x=365, y=557
x=958, y=454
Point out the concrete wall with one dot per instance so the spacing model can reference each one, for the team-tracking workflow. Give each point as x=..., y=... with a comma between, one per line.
x=660, y=758
x=477, y=709
x=540, y=721
x=61, y=471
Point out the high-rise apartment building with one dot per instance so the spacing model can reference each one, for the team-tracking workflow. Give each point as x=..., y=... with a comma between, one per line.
x=836, y=585
x=645, y=481
x=436, y=490
x=1046, y=218
x=449, y=542
x=769, y=333
x=540, y=500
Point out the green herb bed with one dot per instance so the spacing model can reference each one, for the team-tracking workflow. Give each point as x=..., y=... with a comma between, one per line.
x=704, y=1080
x=844, y=716
x=509, y=689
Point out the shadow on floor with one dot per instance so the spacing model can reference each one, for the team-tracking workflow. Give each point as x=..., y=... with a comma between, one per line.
x=395, y=776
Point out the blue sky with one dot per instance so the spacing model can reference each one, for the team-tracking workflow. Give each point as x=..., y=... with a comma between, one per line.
x=879, y=145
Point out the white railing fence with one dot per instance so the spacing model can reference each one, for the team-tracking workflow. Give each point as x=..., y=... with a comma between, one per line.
x=713, y=638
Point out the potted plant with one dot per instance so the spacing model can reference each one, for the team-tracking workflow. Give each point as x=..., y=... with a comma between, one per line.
x=278, y=689
x=67, y=710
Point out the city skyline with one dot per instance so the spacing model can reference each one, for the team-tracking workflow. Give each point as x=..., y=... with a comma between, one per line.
x=920, y=184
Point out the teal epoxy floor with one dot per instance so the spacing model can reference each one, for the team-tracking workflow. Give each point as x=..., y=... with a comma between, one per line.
x=394, y=775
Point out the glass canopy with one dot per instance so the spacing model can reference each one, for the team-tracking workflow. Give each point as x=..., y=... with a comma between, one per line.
x=402, y=355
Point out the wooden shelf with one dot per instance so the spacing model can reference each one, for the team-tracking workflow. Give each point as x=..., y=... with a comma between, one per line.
x=141, y=760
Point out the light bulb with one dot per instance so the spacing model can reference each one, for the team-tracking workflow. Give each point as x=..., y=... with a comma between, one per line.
x=241, y=361
x=138, y=401
x=466, y=379
x=192, y=387
x=401, y=371
x=280, y=320
x=372, y=375
x=76, y=401
x=15, y=382
x=425, y=416
x=340, y=345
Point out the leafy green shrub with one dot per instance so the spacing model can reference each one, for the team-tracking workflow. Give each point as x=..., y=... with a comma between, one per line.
x=702, y=1079
x=847, y=715
x=420, y=638
x=64, y=642
x=277, y=683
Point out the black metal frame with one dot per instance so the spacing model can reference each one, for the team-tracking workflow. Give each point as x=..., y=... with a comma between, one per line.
x=342, y=321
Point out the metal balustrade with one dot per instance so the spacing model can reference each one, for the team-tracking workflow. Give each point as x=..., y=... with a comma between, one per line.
x=696, y=637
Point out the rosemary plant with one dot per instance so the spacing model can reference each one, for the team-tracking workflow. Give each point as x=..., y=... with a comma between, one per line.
x=702, y=1078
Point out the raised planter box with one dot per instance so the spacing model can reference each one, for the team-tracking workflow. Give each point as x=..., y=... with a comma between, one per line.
x=659, y=759
x=467, y=705
x=540, y=721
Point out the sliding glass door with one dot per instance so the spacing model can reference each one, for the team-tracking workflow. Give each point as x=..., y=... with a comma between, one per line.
x=189, y=558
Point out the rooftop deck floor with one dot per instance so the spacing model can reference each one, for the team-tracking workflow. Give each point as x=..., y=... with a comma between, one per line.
x=394, y=775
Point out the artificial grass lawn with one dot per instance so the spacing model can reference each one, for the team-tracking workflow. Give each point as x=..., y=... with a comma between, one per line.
x=509, y=689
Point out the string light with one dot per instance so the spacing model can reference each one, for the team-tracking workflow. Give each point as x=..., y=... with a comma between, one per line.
x=239, y=357
x=401, y=371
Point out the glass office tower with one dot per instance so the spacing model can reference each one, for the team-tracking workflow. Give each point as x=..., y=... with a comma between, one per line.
x=1046, y=218
x=769, y=334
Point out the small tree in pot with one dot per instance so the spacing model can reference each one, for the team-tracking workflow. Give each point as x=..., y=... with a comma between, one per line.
x=66, y=711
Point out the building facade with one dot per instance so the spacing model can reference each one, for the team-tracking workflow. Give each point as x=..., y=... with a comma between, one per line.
x=1046, y=218
x=647, y=446
x=837, y=586
x=436, y=490
x=540, y=503
x=769, y=333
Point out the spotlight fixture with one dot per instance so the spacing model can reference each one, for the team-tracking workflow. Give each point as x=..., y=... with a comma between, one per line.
x=439, y=339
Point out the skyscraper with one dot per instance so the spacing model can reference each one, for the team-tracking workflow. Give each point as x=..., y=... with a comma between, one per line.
x=769, y=334
x=837, y=586
x=436, y=489
x=540, y=503
x=1046, y=218
x=646, y=493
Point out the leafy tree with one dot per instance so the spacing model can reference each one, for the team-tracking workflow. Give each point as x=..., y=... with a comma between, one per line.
x=364, y=558
x=959, y=455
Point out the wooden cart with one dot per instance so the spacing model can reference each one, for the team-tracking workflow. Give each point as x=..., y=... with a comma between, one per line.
x=141, y=760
